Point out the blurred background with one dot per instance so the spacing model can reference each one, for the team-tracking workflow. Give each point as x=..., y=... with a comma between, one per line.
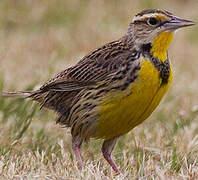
x=40, y=38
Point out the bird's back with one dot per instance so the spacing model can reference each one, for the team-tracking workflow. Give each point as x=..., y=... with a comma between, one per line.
x=109, y=92
x=62, y=91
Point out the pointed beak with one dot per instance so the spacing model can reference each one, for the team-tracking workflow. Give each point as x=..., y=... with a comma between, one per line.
x=176, y=23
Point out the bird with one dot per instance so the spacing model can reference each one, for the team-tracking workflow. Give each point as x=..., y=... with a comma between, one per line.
x=114, y=88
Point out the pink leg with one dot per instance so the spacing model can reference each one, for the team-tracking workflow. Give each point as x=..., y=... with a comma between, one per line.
x=107, y=148
x=76, y=148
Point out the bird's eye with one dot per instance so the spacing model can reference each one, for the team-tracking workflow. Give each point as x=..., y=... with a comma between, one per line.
x=152, y=21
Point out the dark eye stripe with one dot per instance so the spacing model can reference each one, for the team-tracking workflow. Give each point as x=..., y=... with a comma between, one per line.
x=145, y=21
x=139, y=21
x=162, y=23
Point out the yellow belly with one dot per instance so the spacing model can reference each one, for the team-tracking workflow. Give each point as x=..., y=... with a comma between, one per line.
x=122, y=111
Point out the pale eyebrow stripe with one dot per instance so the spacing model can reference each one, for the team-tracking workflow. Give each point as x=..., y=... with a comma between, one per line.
x=141, y=18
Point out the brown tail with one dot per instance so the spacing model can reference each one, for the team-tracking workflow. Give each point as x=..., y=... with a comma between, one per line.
x=19, y=94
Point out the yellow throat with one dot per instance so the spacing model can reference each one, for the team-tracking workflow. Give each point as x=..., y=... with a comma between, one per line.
x=121, y=111
x=161, y=44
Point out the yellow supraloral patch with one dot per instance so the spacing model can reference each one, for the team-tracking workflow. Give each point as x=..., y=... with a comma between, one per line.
x=162, y=17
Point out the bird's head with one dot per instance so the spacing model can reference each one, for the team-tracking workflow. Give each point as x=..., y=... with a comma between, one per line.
x=154, y=29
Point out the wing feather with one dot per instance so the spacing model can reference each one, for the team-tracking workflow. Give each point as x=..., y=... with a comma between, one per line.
x=93, y=68
x=101, y=64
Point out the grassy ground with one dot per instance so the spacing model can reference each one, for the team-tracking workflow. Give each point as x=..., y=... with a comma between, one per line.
x=40, y=38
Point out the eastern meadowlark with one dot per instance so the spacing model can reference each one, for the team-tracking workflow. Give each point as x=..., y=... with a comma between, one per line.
x=115, y=87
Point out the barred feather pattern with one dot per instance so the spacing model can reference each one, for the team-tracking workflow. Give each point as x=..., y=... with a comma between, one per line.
x=97, y=71
x=77, y=92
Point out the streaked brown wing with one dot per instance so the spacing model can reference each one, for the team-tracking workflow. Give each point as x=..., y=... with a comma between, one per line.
x=94, y=67
x=101, y=64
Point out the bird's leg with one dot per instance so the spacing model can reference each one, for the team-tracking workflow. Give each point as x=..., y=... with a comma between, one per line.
x=76, y=143
x=107, y=148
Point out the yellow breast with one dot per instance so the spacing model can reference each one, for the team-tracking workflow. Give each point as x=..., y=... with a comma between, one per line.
x=123, y=110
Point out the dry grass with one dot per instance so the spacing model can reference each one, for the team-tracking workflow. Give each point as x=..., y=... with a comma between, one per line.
x=40, y=38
